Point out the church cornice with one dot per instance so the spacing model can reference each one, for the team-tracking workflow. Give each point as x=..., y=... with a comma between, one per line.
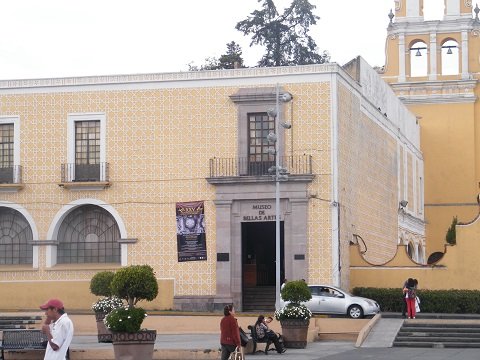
x=433, y=26
x=436, y=92
x=171, y=77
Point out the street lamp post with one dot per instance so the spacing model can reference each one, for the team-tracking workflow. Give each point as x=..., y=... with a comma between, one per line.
x=279, y=174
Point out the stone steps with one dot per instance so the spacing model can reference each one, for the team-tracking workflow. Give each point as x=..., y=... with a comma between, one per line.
x=439, y=334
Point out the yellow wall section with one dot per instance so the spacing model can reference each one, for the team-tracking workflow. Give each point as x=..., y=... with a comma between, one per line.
x=147, y=132
x=450, y=180
x=458, y=269
x=365, y=197
x=29, y=295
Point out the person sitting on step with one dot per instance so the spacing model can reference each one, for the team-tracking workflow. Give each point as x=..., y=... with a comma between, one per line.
x=263, y=332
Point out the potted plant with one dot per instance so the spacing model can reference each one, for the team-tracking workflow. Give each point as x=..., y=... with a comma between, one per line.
x=132, y=284
x=100, y=286
x=295, y=317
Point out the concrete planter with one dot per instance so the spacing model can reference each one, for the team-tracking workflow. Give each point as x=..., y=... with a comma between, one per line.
x=295, y=332
x=139, y=345
x=104, y=335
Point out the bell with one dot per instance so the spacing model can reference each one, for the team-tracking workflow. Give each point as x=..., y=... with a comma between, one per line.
x=449, y=51
x=418, y=53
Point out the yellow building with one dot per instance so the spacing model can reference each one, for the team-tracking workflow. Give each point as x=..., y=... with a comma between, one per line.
x=100, y=172
x=433, y=68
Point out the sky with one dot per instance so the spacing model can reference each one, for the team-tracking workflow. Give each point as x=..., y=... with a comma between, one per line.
x=66, y=38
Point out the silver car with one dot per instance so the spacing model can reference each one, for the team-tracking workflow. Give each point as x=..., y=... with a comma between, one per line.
x=328, y=299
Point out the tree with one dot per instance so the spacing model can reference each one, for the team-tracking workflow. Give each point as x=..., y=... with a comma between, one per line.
x=233, y=58
x=451, y=237
x=285, y=36
x=230, y=60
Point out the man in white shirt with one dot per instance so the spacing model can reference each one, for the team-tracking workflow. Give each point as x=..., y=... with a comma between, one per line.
x=59, y=330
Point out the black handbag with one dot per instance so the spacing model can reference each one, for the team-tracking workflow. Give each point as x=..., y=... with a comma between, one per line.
x=243, y=337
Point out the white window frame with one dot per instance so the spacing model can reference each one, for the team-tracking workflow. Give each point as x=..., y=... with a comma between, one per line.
x=15, y=120
x=72, y=119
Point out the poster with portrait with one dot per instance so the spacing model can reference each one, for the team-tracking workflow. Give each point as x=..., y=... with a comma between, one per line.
x=191, y=238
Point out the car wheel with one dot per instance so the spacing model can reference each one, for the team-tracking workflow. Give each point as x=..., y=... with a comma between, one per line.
x=355, y=312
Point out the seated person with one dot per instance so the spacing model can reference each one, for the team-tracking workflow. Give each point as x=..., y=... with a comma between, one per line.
x=263, y=332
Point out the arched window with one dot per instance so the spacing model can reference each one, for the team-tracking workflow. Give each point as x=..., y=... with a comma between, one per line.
x=418, y=59
x=450, y=58
x=411, y=250
x=15, y=238
x=88, y=234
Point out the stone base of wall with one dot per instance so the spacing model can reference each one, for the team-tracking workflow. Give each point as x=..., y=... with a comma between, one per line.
x=196, y=303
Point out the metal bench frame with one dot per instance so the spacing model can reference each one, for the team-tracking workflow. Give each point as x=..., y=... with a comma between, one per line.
x=256, y=340
x=23, y=340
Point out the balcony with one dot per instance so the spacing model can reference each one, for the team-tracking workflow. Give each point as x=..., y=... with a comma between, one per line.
x=11, y=178
x=85, y=176
x=223, y=170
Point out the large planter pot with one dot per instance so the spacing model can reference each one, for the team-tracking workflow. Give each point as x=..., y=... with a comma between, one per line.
x=295, y=332
x=139, y=345
x=104, y=335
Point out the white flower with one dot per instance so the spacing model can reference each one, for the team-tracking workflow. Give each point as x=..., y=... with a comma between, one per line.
x=293, y=311
x=107, y=304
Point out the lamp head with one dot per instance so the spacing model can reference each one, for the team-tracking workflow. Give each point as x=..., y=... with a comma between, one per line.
x=271, y=137
x=286, y=97
x=403, y=203
x=287, y=125
x=272, y=112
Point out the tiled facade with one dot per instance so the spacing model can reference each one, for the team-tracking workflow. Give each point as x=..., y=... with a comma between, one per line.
x=162, y=130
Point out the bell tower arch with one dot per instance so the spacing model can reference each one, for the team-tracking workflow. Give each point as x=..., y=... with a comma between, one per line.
x=407, y=26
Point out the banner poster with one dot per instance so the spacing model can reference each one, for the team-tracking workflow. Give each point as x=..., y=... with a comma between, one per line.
x=191, y=238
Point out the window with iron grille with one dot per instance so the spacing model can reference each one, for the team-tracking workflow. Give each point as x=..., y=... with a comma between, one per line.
x=6, y=145
x=87, y=142
x=88, y=234
x=15, y=238
x=259, y=126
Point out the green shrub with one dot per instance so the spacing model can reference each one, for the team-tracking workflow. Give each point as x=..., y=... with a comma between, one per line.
x=452, y=301
x=100, y=283
x=125, y=319
x=451, y=236
x=135, y=283
x=132, y=284
x=296, y=292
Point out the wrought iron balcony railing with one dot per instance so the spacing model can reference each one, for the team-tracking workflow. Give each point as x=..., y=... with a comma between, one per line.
x=85, y=172
x=11, y=174
x=229, y=167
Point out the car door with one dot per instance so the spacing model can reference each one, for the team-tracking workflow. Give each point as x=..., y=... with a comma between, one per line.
x=314, y=304
x=333, y=301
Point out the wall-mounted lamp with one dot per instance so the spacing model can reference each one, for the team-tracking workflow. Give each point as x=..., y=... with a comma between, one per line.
x=272, y=112
x=286, y=97
x=403, y=204
x=272, y=137
x=279, y=173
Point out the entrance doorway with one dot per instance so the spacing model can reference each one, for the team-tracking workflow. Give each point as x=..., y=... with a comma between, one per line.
x=258, y=264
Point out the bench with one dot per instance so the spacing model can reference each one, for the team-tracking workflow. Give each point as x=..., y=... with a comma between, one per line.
x=256, y=340
x=23, y=340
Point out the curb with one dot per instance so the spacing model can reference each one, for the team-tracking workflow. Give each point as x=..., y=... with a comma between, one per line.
x=362, y=335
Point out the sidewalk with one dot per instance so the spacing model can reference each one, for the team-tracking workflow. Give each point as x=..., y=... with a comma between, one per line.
x=200, y=346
